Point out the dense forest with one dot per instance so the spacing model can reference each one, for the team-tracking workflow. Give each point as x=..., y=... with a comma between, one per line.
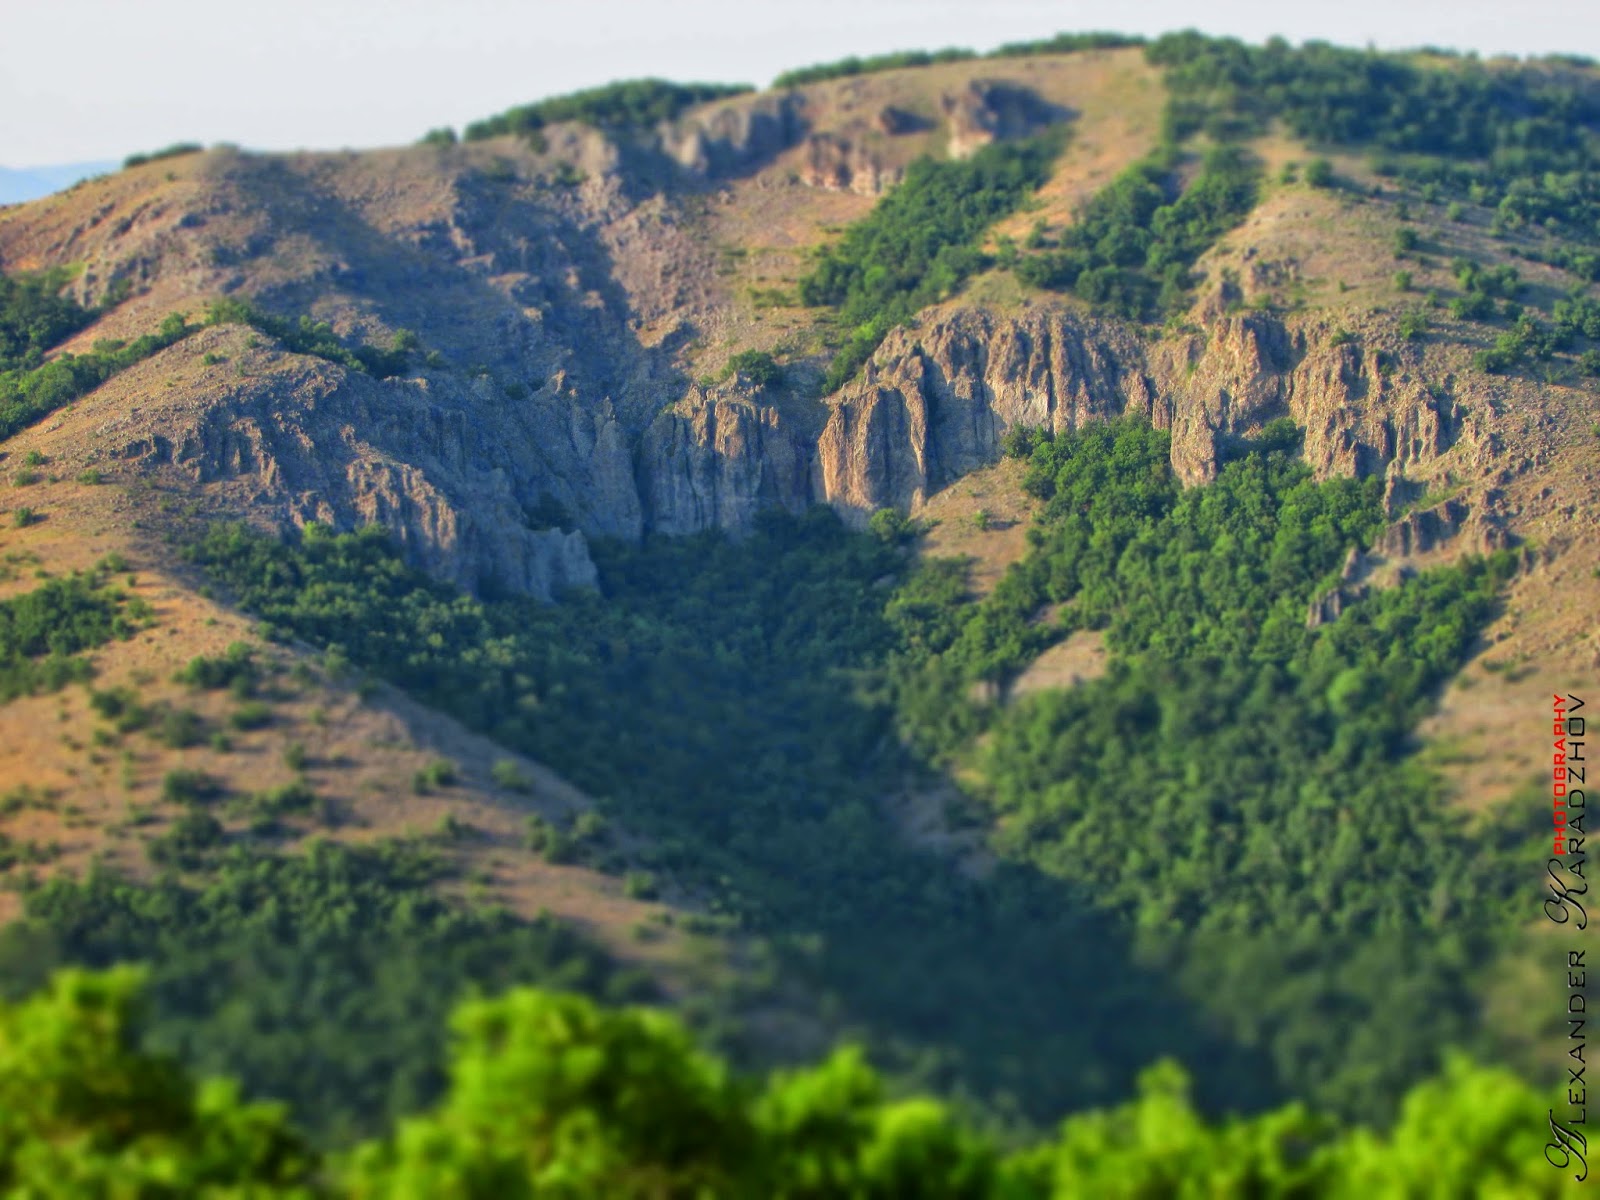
x=552, y=1096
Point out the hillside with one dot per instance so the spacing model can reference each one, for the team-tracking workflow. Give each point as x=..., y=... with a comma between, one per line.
x=932, y=554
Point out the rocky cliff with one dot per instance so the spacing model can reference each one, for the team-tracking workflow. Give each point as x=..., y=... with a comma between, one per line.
x=935, y=402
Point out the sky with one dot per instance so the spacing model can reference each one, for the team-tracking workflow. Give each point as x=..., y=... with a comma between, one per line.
x=99, y=79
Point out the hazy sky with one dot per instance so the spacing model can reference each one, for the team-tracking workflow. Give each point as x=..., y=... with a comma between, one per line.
x=98, y=79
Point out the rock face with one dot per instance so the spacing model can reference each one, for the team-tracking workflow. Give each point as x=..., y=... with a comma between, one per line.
x=735, y=136
x=554, y=294
x=715, y=460
x=934, y=402
x=988, y=110
x=458, y=482
x=486, y=488
x=837, y=164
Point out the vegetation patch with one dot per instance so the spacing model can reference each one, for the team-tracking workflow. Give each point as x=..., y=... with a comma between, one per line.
x=33, y=318
x=80, y=1098
x=637, y=104
x=920, y=242
x=320, y=979
x=43, y=633
x=1130, y=250
x=317, y=339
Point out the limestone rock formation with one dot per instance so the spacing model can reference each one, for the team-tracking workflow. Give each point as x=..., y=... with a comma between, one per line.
x=715, y=460
x=736, y=135
x=989, y=110
x=840, y=164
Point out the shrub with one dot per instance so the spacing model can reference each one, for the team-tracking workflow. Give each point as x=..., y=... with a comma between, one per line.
x=1413, y=325
x=759, y=367
x=180, y=728
x=439, y=773
x=188, y=787
x=252, y=714
x=640, y=885
x=508, y=775
x=288, y=798
x=188, y=841
x=1319, y=173
x=547, y=840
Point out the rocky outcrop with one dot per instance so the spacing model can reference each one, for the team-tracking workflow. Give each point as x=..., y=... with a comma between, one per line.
x=836, y=163
x=1326, y=608
x=715, y=460
x=935, y=401
x=736, y=136
x=989, y=110
x=466, y=474
x=456, y=475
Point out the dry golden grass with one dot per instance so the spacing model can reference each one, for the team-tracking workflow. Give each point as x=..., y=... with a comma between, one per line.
x=983, y=518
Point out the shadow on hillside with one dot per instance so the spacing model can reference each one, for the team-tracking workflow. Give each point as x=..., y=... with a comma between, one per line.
x=515, y=286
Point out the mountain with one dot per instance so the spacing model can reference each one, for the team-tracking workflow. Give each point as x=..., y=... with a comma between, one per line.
x=29, y=183
x=941, y=553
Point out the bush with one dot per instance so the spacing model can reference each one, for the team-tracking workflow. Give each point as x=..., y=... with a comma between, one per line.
x=439, y=773
x=547, y=840
x=506, y=774
x=252, y=714
x=188, y=841
x=44, y=632
x=640, y=885
x=893, y=526
x=1319, y=173
x=189, y=787
x=180, y=728
x=759, y=367
x=288, y=798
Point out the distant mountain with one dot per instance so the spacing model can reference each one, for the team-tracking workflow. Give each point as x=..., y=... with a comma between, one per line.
x=29, y=183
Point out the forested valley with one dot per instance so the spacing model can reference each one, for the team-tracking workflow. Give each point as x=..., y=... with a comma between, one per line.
x=1206, y=922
